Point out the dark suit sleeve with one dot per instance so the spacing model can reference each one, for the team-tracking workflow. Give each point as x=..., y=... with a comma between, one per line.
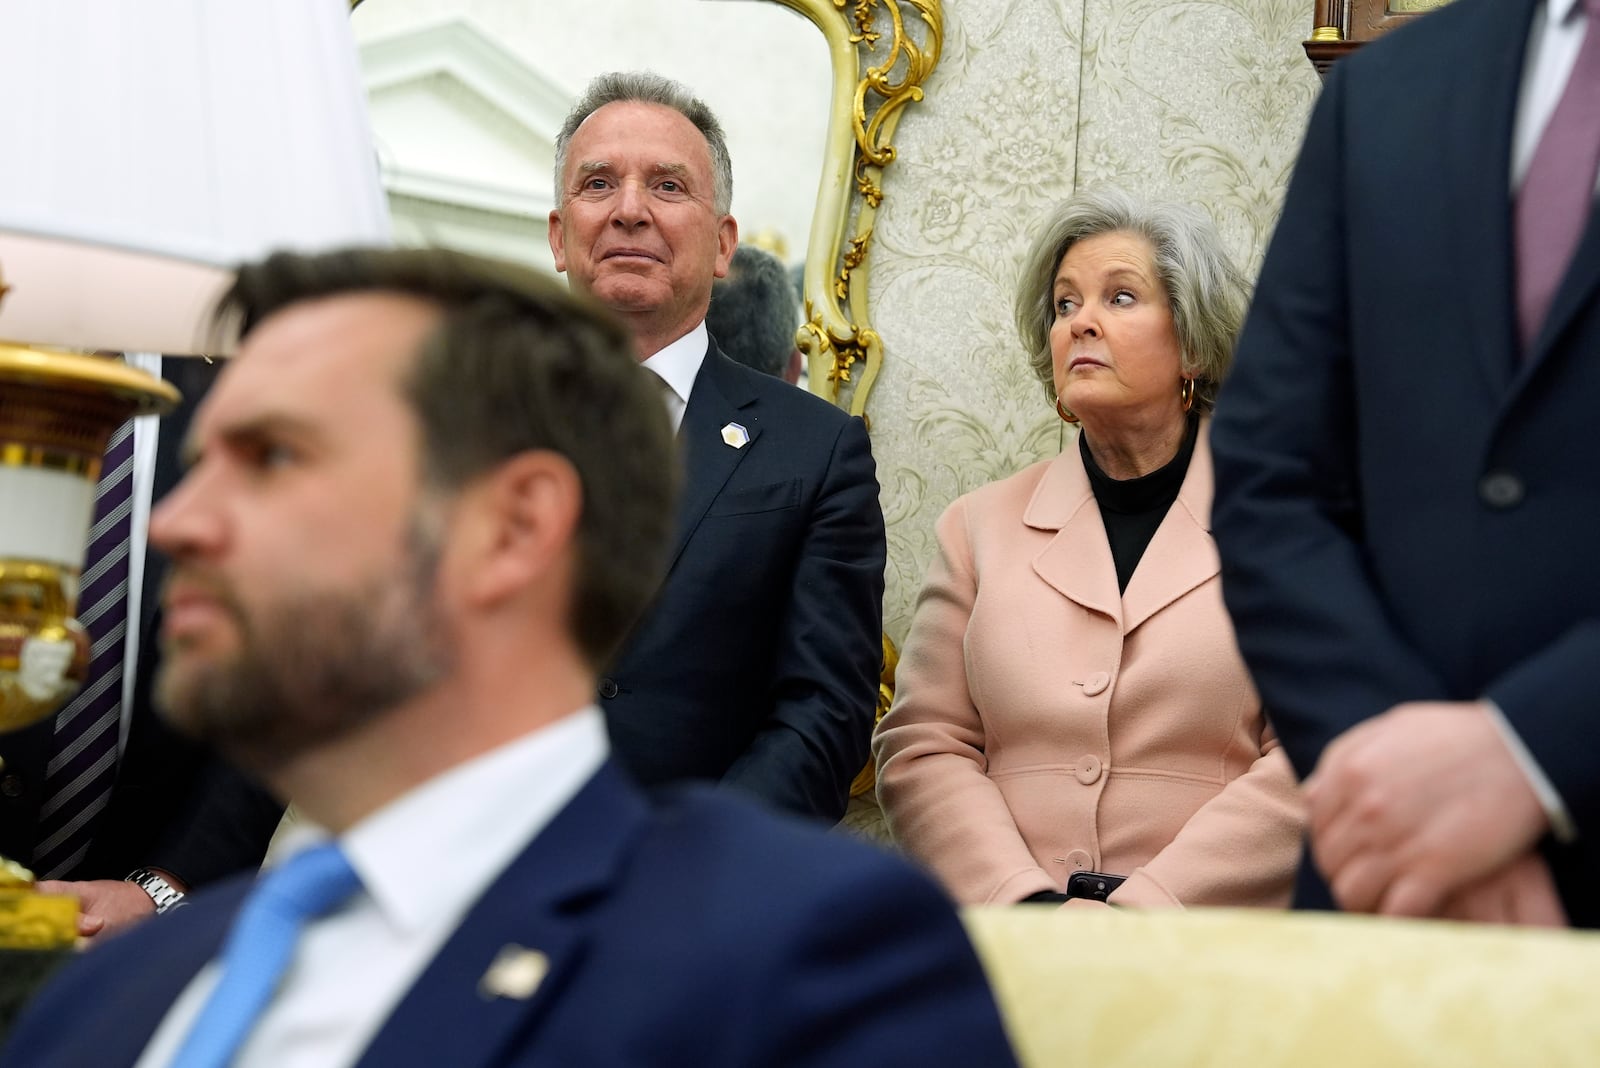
x=877, y=970
x=223, y=831
x=177, y=805
x=1313, y=628
x=1549, y=700
x=825, y=673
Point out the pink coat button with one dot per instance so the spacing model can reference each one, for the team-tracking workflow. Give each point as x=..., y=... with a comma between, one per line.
x=1088, y=770
x=1096, y=684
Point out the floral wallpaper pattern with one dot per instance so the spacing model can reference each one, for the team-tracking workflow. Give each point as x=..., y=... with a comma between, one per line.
x=1197, y=100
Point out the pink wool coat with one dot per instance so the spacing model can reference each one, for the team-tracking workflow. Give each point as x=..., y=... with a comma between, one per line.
x=1043, y=724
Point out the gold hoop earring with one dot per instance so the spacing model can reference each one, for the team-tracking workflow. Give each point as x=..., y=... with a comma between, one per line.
x=1066, y=416
x=1186, y=393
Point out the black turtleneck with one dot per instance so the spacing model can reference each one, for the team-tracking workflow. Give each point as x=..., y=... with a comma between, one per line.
x=1133, y=508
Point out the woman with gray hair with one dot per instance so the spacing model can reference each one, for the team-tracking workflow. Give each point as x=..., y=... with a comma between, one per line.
x=1072, y=721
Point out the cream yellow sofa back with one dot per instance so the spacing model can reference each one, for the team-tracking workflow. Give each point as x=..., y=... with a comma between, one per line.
x=1259, y=989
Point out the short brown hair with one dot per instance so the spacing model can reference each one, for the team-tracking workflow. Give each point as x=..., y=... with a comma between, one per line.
x=517, y=363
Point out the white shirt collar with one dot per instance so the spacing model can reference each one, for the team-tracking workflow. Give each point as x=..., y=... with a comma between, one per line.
x=679, y=362
x=1561, y=10
x=426, y=857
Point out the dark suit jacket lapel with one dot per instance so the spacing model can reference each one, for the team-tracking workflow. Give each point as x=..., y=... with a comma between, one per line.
x=1479, y=120
x=1578, y=287
x=718, y=398
x=539, y=904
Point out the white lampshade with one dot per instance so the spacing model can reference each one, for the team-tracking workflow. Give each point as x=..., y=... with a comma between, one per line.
x=146, y=148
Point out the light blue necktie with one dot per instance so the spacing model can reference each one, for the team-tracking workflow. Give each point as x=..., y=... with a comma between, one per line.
x=304, y=887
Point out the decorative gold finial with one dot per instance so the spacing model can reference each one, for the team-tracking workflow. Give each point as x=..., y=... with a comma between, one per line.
x=14, y=876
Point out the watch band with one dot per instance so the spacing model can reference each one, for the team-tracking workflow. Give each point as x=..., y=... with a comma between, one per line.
x=164, y=894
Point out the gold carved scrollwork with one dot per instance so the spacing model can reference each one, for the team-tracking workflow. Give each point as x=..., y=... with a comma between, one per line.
x=882, y=51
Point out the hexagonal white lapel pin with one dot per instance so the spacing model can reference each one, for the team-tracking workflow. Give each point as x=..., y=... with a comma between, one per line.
x=516, y=972
x=735, y=435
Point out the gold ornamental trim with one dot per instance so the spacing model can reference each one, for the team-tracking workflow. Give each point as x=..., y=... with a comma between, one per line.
x=882, y=53
x=77, y=372
x=43, y=458
x=58, y=409
x=37, y=921
x=44, y=652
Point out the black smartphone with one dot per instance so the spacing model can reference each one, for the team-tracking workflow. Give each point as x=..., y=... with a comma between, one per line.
x=1096, y=885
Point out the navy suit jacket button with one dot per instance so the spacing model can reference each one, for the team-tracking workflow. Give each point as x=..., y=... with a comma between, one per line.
x=1500, y=489
x=608, y=688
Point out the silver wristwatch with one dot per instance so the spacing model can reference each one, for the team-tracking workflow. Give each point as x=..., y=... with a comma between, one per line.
x=164, y=894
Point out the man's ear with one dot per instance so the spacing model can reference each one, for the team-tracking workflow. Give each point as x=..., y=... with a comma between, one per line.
x=558, y=240
x=528, y=509
x=727, y=241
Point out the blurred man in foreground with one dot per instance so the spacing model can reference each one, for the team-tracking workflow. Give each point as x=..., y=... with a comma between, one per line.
x=425, y=501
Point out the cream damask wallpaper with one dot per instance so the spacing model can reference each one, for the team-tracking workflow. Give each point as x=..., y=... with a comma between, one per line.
x=1197, y=100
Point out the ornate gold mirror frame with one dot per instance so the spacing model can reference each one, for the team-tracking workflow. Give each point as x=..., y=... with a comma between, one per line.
x=882, y=52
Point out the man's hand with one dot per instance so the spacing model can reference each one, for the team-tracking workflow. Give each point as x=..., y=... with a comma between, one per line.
x=1522, y=893
x=105, y=906
x=1414, y=805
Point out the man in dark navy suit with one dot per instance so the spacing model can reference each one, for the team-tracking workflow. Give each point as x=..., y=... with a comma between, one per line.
x=426, y=500
x=757, y=663
x=1406, y=510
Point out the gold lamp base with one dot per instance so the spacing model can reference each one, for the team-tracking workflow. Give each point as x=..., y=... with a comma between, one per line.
x=57, y=413
x=37, y=936
x=30, y=921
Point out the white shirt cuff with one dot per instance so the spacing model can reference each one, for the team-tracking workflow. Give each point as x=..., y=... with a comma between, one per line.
x=1555, y=809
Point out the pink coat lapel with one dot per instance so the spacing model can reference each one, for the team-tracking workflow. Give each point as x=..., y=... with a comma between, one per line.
x=1077, y=562
x=1182, y=555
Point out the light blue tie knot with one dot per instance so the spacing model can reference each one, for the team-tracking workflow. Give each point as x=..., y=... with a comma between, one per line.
x=259, y=947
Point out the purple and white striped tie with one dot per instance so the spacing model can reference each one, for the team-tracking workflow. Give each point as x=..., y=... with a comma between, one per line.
x=83, y=766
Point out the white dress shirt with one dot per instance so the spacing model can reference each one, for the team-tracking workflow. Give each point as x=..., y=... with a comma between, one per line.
x=1553, y=43
x=677, y=365
x=424, y=861
x=146, y=432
